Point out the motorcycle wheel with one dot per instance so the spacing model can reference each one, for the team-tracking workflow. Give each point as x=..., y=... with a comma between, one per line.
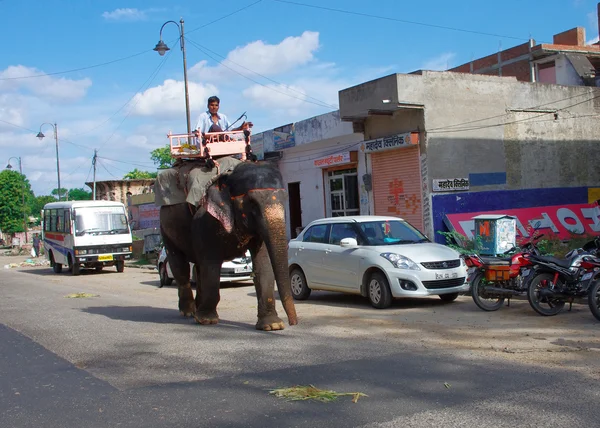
x=543, y=306
x=594, y=299
x=484, y=303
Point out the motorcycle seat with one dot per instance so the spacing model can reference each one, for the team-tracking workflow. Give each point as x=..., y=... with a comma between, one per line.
x=560, y=262
x=496, y=261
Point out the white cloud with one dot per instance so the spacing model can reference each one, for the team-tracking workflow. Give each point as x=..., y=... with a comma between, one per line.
x=168, y=99
x=56, y=89
x=593, y=41
x=125, y=14
x=440, y=63
x=262, y=58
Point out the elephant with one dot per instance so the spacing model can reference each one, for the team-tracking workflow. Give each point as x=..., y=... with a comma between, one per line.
x=241, y=210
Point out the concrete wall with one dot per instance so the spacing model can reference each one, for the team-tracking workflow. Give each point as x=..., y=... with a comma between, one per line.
x=565, y=73
x=297, y=165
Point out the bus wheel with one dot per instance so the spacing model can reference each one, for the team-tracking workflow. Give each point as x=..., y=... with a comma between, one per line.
x=120, y=266
x=73, y=267
x=57, y=267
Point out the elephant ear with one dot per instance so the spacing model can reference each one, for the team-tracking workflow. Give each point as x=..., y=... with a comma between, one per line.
x=217, y=203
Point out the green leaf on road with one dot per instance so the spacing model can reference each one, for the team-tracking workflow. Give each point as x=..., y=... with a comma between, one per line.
x=447, y=385
x=80, y=295
x=311, y=392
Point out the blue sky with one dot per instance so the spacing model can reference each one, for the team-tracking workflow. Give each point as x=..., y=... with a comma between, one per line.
x=285, y=63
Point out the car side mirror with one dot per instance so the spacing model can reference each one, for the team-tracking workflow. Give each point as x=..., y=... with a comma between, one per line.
x=349, y=243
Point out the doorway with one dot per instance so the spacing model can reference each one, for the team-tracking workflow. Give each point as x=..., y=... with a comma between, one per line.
x=295, y=208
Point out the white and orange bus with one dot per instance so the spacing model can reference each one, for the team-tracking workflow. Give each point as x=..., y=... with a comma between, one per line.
x=86, y=234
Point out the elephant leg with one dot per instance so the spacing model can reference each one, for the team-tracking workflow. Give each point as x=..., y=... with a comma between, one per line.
x=264, y=282
x=207, y=292
x=181, y=271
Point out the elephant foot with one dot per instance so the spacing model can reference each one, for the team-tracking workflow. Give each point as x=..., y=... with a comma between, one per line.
x=187, y=308
x=206, y=318
x=270, y=323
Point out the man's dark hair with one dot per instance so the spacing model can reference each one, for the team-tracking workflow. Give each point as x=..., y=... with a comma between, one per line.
x=213, y=99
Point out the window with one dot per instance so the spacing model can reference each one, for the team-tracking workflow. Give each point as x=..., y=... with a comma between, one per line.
x=317, y=233
x=60, y=224
x=391, y=232
x=52, y=225
x=340, y=231
x=343, y=193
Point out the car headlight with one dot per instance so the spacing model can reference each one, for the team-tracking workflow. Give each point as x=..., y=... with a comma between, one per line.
x=80, y=252
x=400, y=262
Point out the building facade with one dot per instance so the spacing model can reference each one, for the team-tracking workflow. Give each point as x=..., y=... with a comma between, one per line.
x=442, y=147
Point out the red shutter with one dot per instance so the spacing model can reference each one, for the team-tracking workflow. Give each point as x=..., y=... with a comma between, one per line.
x=397, y=185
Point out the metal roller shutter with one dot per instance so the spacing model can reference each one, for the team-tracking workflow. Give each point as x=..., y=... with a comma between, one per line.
x=397, y=184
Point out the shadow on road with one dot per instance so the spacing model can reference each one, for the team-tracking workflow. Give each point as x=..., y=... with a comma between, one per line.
x=152, y=315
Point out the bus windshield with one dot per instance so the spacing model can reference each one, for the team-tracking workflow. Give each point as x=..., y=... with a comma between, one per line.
x=100, y=221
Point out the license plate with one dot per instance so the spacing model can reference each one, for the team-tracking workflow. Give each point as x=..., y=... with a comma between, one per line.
x=105, y=257
x=587, y=276
x=242, y=269
x=446, y=275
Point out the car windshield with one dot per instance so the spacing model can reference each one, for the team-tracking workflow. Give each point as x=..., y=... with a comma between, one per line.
x=100, y=221
x=390, y=232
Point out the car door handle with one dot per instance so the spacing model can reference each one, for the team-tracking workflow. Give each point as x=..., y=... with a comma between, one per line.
x=328, y=250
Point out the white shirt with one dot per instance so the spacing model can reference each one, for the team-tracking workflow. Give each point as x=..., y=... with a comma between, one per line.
x=205, y=122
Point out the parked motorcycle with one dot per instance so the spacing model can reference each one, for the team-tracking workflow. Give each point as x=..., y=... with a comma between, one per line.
x=494, y=279
x=555, y=282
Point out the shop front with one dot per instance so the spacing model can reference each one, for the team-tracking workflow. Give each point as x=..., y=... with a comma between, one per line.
x=340, y=182
x=396, y=176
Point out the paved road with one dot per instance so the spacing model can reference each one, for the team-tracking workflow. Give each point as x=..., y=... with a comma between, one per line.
x=126, y=358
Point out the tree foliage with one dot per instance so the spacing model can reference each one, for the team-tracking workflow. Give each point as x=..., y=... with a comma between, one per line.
x=38, y=203
x=162, y=156
x=136, y=174
x=12, y=186
x=79, y=195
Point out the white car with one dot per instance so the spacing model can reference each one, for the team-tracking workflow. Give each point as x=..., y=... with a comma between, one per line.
x=236, y=270
x=378, y=257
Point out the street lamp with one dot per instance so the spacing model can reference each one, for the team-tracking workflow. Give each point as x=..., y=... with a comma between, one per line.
x=9, y=166
x=40, y=135
x=161, y=47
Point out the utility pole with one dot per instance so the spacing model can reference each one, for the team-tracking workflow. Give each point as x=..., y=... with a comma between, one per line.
x=94, y=164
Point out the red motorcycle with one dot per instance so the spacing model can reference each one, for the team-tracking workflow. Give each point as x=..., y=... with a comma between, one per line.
x=494, y=279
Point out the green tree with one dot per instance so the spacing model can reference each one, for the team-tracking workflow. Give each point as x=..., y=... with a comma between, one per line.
x=63, y=193
x=136, y=174
x=162, y=156
x=38, y=202
x=12, y=186
x=79, y=195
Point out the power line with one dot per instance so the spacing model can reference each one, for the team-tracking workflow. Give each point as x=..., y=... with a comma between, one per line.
x=320, y=103
x=125, y=162
x=77, y=69
x=405, y=21
x=289, y=88
x=140, y=89
x=152, y=77
x=103, y=166
x=506, y=114
x=440, y=130
x=126, y=57
x=225, y=16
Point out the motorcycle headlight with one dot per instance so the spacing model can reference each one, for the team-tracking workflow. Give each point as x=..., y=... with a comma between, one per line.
x=400, y=262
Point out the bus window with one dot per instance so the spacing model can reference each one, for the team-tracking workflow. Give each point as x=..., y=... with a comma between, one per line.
x=52, y=225
x=60, y=223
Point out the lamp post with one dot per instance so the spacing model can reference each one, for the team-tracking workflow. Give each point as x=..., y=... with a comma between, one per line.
x=9, y=166
x=161, y=47
x=40, y=135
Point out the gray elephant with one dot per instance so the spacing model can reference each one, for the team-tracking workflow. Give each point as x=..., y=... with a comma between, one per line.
x=241, y=210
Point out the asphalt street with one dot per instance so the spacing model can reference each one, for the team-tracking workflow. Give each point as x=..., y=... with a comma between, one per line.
x=126, y=358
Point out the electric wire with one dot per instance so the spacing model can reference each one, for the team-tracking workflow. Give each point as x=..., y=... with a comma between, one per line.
x=320, y=104
x=404, y=21
x=289, y=88
x=126, y=57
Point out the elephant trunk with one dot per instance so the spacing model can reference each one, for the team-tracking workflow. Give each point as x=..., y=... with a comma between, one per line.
x=272, y=230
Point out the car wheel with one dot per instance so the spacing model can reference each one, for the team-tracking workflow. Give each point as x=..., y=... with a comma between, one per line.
x=120, y=266
x=449, y=297
x=164, y=277
x=73, y=267
x=378, y=291
x=57, y=267
x=300, y=289
x=99, y=268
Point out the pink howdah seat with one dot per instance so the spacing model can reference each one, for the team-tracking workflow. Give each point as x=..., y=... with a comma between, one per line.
x=211, y=144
